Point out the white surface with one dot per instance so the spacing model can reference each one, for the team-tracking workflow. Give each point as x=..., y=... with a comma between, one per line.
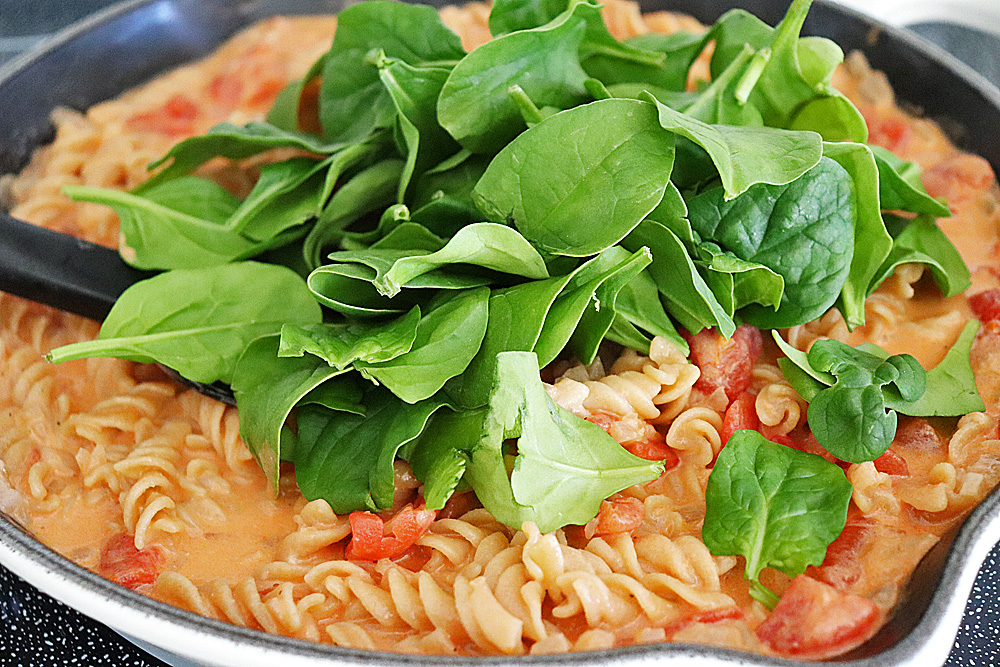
x=981, y=14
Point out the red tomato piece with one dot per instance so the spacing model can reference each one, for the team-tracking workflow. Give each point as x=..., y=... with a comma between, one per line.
x=842, y=568
x=725, y=363
x=619, y=515
x=175, y=118
x=741, y=415
x=373, y=539
x=813, y=620
x=986, y=305
x=891, y=463
x=653, y=448
x=127, y=566
x=711, y=616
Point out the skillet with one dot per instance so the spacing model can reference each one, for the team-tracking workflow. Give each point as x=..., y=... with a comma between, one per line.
x=132, y=42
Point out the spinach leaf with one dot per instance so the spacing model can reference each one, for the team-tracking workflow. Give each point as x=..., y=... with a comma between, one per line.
x=286, y=195
x=680, y=50
x=414, y=91
x=789, y=78
x=198, y=321
x=514, y=15
x=747, y=282
x=901, y=188
x=686, y=295
x=440, y=456
x=233, y=142
x=565, y=466
x=156, y=235
x=349, y=463
x=775, y=506
x=342, y=343
x=803, y=231
x=475, y=106
x=537, y=316
x=488, y=245
x=267, y=388
x=923, y=242
x=745, y=156
x=638, y=304
x=353, y=103
x=849, y=390
x=872, y=242
x=951, y=386
x=448, y=337
x=367, y=191
x=580, y=181
x=441, y=199
x=617, y=268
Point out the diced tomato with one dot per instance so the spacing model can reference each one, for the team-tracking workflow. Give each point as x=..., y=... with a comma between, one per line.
x=618, y=515
x=123, y=564
x=813, y=620
x=175, y=118
x=842, y=567
x=741, y=415
x=226, y=89
x=891, y=463
x=603, y=419
x=374, y=539
x=653, y=448
x=986, y=305
x=710, y=616
x=892, y=132
x=725, y=363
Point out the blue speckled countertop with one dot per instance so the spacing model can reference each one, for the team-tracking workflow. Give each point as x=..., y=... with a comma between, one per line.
x=37, y=631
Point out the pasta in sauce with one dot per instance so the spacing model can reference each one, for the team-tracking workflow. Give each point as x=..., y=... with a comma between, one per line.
x=129, y=475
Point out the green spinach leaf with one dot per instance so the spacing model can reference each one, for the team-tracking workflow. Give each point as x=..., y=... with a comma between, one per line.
x=923, y=242
x=745, y=156
x=774, y=505
x=565, y=466
x=353, y=103
x=901, y=188
x=342, y=343
x=198, y=321
x=475, y=105
x=580, y=181
x=803, y=231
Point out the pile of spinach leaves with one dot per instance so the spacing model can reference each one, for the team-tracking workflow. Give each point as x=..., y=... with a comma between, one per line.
x=457, y=220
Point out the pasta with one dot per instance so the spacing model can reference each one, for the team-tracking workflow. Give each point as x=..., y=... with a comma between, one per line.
x=166, y=468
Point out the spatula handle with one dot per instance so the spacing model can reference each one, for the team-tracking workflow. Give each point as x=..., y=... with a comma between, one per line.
x=60, y=270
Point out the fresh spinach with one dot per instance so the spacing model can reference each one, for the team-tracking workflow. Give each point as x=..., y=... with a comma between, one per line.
x=448, y=336
x=745, y=156
x=475, y=106
x=581, y=180
x=342, y=343
x=686, y=295
x=353, y=102
x=901, y=188
x=198, y=321
x=235, y=143
x=803, y=231
x=872, y=242
x=267, y=387
x=951, y=385
x=564, y=466
x=775, y=506
x=923, y=242
x=349, y=462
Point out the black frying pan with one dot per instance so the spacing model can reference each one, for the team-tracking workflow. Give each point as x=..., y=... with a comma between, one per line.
x=130, y=43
